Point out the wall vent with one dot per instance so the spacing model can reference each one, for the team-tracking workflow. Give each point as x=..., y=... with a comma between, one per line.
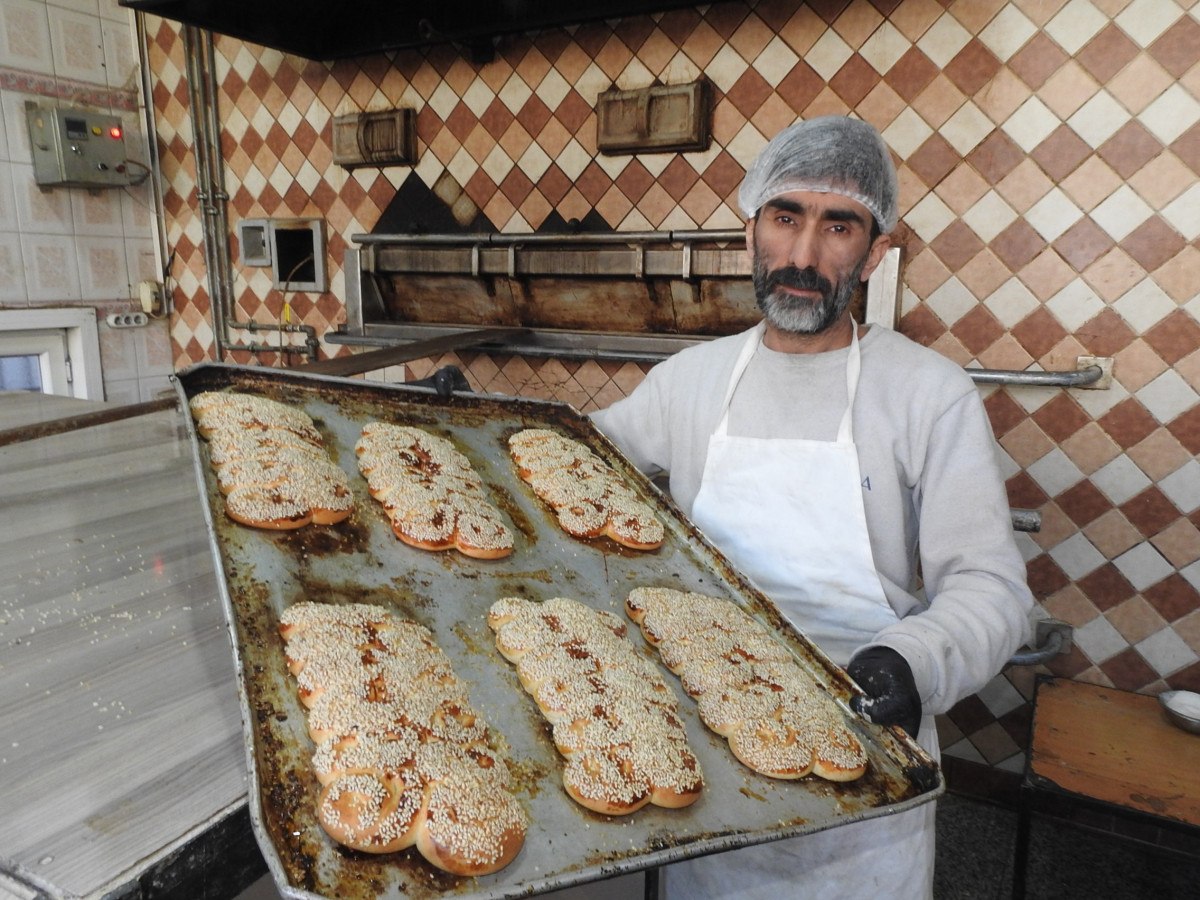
x=386, y=138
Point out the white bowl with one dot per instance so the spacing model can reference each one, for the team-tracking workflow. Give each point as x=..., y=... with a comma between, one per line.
x=1182, y=708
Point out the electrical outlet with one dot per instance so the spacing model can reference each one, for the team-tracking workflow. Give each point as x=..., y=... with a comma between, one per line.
x=150, y=293
x=127, y=320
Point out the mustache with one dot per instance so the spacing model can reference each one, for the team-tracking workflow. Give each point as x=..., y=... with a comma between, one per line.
x=807, y=279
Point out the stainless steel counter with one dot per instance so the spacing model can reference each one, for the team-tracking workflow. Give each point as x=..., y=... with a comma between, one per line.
x=120, y=735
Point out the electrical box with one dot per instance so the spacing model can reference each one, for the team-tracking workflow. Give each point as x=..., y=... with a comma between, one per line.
x=77, y=147
x=297, y=248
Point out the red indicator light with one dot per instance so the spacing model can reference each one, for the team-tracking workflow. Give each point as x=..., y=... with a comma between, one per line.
x=114, y=132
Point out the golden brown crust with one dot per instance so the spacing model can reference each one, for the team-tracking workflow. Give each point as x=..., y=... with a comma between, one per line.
x=269, y=462
x=613, y=716
x=748, y=687
x=402, y=758
x=587, y=496
x=433, y=498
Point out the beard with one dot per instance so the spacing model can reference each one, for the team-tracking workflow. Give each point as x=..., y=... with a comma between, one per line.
x=803, y=315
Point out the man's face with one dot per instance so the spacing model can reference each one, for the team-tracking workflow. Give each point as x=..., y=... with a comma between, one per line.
x=810, y=252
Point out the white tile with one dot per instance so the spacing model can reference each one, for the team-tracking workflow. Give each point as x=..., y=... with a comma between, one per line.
x=1192, y=574
x=884, y=47
x=1171, y=114
x=103, y=270
x=1168, y=396
x=534, y=162
x=1183, y=213
x=142, y=263
x=1075, y=304
x=123, y=392
x=497, y=164
x=1053, y=214
x=25, y=36
x=907, y=132
x=1007, y=33
x=97, y=213
x=1099, y=119
x=930, y=217
x=966, y=128
x=1143, y=565
x=775, y=61
x=1031, y=124
x=1121, y=212
x=680, y=70
x=51, y=268
x=951, y=301
x=1075, y=24
x=9, y=221
x=1011, y=302
x=12, y=270
x=1146, y=20
x=989, y=216
x=513, y=94
x=1055, y=472
x=944, y=39
x=1097, y=403
x=1182, y=487
x=1098, y=640
x=16, y=128
x=1031, y=398
x=1000, y=697
x=478, y=96
x=726, y=67
x=121, y=65
x=1144, y=305
x=590, y=83
x=1166, y=652
x=40, y=210
x=77, y=45
x=112, y=10
x=829, y=54
x=1120, y=480
x=1076, y=556
x=152, y=387
x=573, y=159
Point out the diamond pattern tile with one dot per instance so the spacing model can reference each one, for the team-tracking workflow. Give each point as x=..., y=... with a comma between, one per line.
x=1048, y=156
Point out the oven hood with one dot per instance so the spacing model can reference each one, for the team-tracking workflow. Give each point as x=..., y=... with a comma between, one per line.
x=319, y=30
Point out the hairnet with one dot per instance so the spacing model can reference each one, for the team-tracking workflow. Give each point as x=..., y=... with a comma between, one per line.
x=829, y=155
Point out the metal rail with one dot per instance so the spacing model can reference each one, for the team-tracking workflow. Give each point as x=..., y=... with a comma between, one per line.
x=1076, y=378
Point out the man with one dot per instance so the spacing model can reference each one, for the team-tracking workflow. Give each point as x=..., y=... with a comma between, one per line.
x=839, y=467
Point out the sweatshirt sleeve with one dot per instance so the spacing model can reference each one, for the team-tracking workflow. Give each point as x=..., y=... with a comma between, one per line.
x=974, y=576
x=637, y=424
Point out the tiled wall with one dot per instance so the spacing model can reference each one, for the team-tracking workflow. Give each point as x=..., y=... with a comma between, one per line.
x=1048, y=153
x=68, y=246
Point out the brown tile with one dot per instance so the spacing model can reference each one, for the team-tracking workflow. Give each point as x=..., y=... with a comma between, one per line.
x=534, y=115
x=938, y=102
x=1061, y=417
x=1112, y=534
x=1178, y=48
x=554, y=184
x=1061, y=153
x=956, y=245
x=996, y=156
x=1083, y=503
x=1130, y=148
x=1003, y=412
x=1044, y=576
x=1024, y=186
x=1128, y=671
x=1187, y=148
x=1186, y=429
x=1105, y=334
x=1005, y=353
x=678, y=177
x=1070, y=605
x=911, y=74
x=1046, y=275
x=1017, y=245
x=1023, y=491
x=984, y=274
x=1150, y=511
x=1113, y=274
x=1090, y=448
x=1153, y=243
x=921, y=325
x=1083, y=243
x=748, y=93
x=1173, y=597
x=973, y=67
x=1068, y=89
x=1135, y=620
x=963, y=187
x=1091, y=183
x=1037, y=60
x=933, y=160
x=977, y=330
x=1179, y=543
x=1128, y=422
x=1187, y=679
x=1038, y=332
x=1026, y=444
x=1107, y=53
x=1178, y=277
x=1137, y=365
x=1174, y=337
x=800, y=86
x=854, y=80
x=634, y=180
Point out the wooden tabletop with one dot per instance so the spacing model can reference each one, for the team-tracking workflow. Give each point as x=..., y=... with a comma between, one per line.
x=120, y=731
x=1115, y=747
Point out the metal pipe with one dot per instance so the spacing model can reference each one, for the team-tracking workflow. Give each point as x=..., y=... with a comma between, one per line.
x=160, y=215
x=1074, y=378
x=507, y=240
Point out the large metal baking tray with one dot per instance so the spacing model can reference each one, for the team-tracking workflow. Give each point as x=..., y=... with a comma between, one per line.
x=263, y=572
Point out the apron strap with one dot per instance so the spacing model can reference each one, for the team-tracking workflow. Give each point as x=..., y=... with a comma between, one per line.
x=749, y=347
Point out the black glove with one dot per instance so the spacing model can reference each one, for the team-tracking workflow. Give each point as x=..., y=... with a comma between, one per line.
x=445, y=381
x=891, y=694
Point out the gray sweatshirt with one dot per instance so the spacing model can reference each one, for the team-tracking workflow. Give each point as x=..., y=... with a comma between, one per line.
x=928, y=461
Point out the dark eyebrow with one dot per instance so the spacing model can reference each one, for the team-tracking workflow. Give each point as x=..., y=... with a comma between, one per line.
x=836, y=214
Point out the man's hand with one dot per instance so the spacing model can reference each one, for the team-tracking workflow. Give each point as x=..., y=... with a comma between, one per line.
x=892, y=697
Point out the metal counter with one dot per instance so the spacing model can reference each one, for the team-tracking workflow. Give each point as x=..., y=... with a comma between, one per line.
x=360, y=560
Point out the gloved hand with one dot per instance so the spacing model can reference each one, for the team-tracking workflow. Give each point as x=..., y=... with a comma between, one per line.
x=891, y=694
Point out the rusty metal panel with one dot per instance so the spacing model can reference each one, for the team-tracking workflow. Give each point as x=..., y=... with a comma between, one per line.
x=262, y=573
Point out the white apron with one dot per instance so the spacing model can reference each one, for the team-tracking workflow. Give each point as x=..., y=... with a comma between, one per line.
x=789, y=514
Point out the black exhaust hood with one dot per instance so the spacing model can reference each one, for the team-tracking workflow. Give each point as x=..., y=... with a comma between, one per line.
x=321, y=30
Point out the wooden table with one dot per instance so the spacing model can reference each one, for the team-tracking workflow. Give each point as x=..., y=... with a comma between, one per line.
x=122, y=758
x=1106, y=749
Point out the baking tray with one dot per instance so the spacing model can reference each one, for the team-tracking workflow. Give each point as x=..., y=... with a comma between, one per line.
x=360, y=560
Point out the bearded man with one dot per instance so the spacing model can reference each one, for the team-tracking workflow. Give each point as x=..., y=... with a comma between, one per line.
x=852, y=475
